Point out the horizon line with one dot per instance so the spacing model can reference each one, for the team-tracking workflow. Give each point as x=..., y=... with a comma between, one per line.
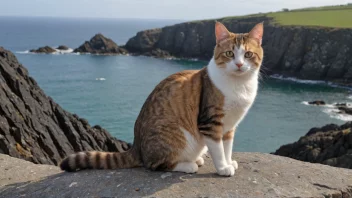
x=85, y=17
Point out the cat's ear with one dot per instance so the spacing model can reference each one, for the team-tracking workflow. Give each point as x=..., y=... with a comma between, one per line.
x=221, y=33
x=257, y=32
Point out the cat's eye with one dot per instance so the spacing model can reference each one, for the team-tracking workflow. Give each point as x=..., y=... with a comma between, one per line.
x=229, y=54
x=248, y=54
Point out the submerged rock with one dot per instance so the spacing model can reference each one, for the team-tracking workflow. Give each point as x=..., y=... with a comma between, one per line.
x=62, y=47
x=317, y=102
x=341, y=104
x=345, y=110
x=330, y=145
x=99, y=44
x=43, y=50
x=35, y=128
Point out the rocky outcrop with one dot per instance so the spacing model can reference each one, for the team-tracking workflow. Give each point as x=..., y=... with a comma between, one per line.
x=330, y=145
x=35, y=128
x=43, y=50
x=338, y=108
x=99, y=44
x=62, y=47
x=345, y=110
x=317, y=102
x=259, y=175
x=303, y=52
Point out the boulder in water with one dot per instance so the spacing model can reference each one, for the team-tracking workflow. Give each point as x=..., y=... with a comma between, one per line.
x=43, y=50
x=99, y=44
x=62, y=47
x=317, y=102
x=345, y=110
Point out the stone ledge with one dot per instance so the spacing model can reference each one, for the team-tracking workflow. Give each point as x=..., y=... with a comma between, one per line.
x=259, y=175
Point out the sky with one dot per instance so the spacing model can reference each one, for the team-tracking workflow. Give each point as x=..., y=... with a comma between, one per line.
x=152, y=9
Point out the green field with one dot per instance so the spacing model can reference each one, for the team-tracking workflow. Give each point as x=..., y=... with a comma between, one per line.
x=328, y=16
x=340, y=16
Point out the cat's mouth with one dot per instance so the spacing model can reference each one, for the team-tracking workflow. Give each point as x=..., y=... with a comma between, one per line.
x=239, y=72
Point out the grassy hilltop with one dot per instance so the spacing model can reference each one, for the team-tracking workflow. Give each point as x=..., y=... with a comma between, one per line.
x=328, y=16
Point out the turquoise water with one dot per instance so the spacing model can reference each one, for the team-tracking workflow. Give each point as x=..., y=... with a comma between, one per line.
x=110, y=90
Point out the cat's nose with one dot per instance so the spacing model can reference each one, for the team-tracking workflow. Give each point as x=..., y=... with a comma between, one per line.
x=239, y=65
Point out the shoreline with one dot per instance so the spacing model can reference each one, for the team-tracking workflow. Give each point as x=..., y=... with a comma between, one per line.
x=274, y=75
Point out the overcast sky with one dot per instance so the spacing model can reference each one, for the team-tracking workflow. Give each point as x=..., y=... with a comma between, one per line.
x=154, y=9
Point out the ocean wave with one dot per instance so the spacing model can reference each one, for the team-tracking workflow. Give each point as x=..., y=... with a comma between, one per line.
x=315, y=82
x=100, y=79
x=68, y=51
x=23, y=52
x=334, y=113
x=280, y=77
x=332, y=110
x=333, y=105
x=57, y=52
x=305, y=103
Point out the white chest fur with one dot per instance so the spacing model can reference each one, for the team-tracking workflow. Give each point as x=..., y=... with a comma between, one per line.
x=239, y=92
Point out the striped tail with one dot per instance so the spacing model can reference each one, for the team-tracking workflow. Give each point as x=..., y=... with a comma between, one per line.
x=100, y=160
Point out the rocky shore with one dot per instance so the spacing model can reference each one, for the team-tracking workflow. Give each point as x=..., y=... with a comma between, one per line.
x=330, y=145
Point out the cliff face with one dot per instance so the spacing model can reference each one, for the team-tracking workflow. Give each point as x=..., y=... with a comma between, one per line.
x=304, y=52
x=34, y=127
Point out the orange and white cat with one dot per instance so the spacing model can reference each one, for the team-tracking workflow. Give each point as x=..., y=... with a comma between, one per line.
x=190, y=111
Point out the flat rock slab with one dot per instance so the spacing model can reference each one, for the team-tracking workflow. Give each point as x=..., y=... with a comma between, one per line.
x=259, y=175
x=14, y=170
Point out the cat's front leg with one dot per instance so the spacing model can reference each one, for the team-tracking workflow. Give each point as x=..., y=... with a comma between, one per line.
x=216, y=150
x=228, y=143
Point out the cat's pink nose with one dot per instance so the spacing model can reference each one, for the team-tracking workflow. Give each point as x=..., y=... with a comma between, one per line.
x=239, y=65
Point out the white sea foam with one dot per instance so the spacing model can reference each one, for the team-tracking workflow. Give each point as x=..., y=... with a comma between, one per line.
x=100, y=79
x=68, y=51
x=331, y=84
x=280, y=77
x=305, y=103
x=326, y=105
x=23, y=52
x=332, y=110
x=334, y=113
x=349, y=97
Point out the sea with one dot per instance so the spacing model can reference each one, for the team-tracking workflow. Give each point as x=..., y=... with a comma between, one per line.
x=110, y=90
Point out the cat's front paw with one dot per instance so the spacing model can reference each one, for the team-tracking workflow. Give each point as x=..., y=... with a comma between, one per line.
x=228, y=170
x=234, y=164
x=200, y=161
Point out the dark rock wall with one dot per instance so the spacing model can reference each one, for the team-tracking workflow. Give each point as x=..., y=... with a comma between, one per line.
x=304, y=52
x=35, y=128
x=330, y=145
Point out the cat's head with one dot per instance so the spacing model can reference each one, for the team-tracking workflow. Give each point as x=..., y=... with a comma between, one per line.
x=238, y=54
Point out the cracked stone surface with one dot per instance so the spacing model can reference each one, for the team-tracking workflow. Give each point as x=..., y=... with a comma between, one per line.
x=259, y=175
